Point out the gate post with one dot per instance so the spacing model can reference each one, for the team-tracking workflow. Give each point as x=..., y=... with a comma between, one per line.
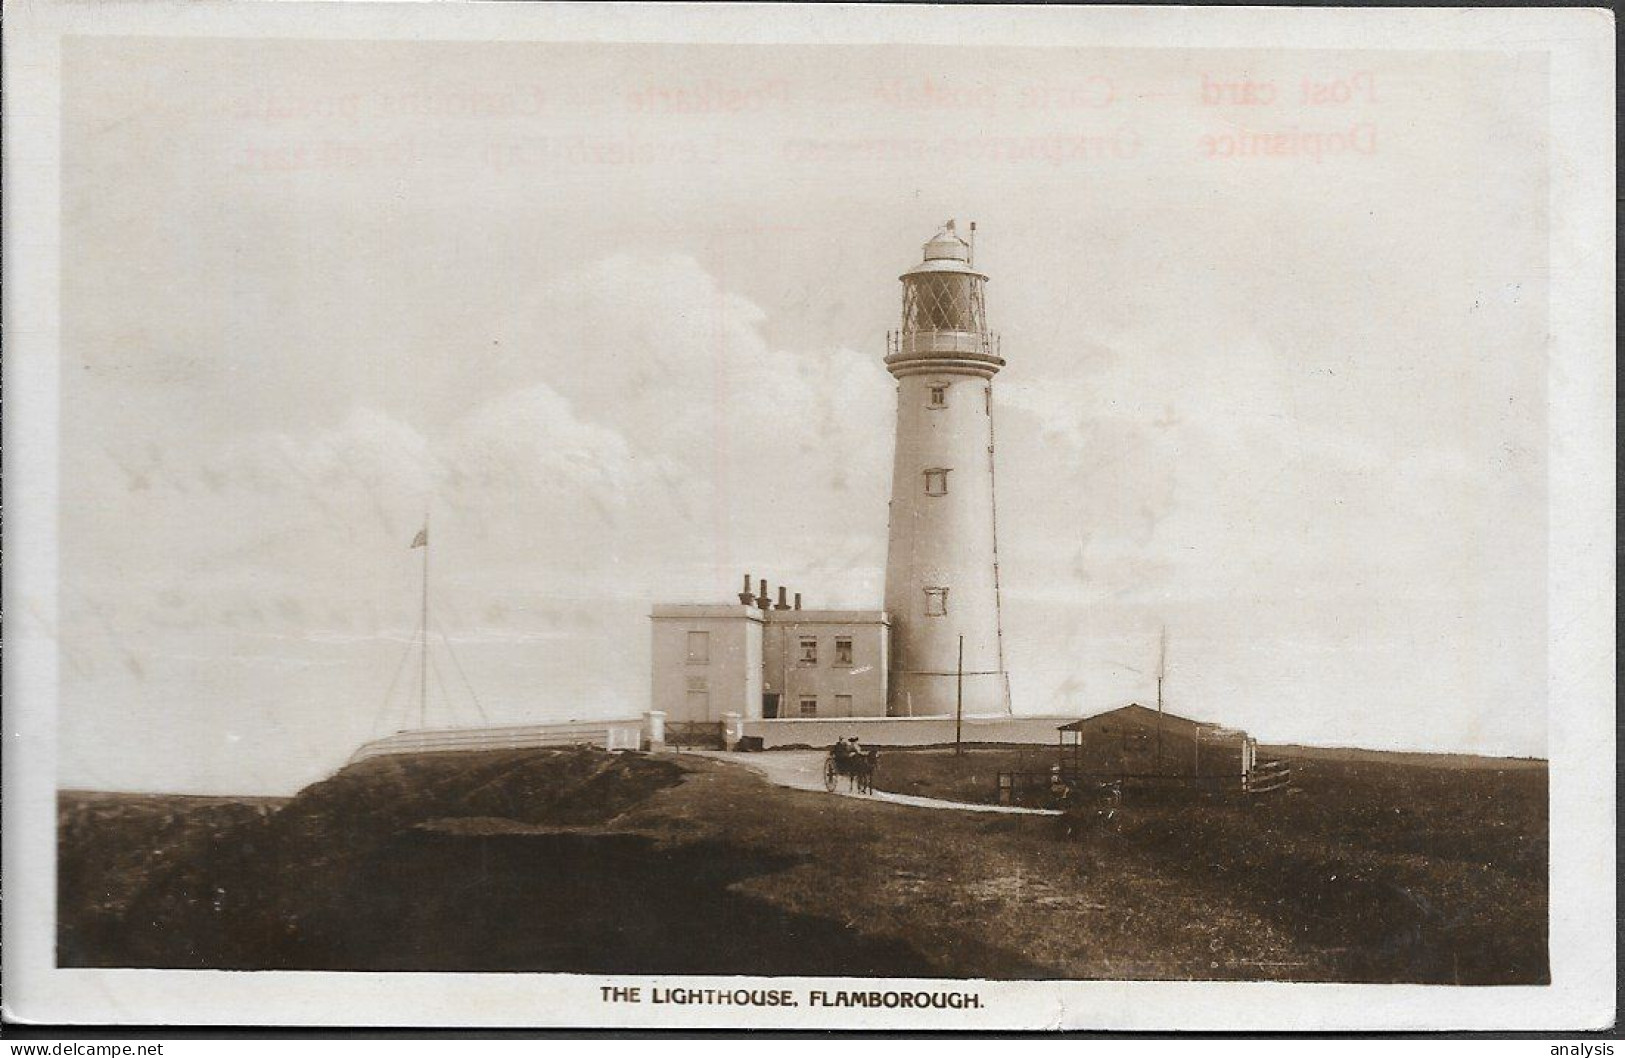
x=733, y=729
x=654, y=730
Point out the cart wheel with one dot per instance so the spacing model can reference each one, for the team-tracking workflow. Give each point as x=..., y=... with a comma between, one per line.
x=829, y=775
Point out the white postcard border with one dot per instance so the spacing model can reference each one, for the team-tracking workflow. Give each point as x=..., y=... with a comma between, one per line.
x=1581, y=391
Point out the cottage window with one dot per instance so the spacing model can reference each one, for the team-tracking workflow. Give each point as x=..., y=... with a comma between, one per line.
x=936, y=602
x=809, y=650
x=843, y=650
x=699, y=648
x=843, y=705
x=936, y=482
x=809, y=707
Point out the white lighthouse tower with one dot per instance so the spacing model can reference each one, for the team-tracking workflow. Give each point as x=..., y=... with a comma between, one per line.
x=942, y=568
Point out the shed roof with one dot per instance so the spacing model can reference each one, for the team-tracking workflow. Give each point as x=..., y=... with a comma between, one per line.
x=1137, y=713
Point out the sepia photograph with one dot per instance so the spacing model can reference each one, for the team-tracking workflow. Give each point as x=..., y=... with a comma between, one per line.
x=795, y=527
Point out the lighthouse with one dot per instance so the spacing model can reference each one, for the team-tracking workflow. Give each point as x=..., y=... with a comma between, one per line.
x=942, y=564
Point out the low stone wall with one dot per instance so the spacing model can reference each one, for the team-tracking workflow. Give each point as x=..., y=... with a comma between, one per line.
x=904, y=731
x=611, y=734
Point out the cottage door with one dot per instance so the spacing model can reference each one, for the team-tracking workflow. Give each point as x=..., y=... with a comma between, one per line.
x=770, y=705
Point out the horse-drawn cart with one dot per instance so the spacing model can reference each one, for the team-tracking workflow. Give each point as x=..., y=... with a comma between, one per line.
x=858, y=767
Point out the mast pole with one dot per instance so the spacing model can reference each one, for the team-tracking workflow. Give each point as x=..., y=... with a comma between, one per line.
x=423, y=633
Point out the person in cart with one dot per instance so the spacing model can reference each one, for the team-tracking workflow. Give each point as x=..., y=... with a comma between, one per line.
x=845, y=751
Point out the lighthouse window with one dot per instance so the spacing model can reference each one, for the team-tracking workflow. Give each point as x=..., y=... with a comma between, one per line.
x=809, y=650
x=936, y=482
x=936, y=602
x=939, y=397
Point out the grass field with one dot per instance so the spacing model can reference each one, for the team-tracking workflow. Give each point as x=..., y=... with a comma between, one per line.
x=573, y=860
x=1398, y=866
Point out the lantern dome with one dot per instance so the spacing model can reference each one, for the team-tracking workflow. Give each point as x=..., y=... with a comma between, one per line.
x=946, y=245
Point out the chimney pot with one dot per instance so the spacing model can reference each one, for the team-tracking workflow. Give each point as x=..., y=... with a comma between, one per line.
x=783, y=603
x=745, y=596
x=762, y=600
x=798, y=600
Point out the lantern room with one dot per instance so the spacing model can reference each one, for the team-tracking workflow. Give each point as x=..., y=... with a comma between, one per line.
x=944, y=307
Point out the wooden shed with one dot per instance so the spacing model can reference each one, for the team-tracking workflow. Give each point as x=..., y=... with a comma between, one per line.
x=1154, y=748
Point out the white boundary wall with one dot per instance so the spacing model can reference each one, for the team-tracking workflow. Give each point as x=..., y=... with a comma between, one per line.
x=606, y=734
x=904, y=731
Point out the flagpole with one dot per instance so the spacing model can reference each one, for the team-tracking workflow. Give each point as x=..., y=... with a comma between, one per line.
x=423, y=657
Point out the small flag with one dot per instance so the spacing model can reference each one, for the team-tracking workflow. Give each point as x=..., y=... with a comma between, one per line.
x=420, y=540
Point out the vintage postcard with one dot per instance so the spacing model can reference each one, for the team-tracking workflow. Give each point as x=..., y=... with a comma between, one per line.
x=809, y=517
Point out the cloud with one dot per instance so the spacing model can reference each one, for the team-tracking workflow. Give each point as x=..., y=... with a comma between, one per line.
x=661, y=445
x=1234, y=474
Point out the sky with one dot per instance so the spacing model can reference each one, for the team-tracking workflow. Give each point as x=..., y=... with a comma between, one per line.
x=614, y=316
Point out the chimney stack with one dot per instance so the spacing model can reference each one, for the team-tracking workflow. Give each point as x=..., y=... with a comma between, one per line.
x=762, y=600
x=745, y=597
x=783, y=603
x=798, y=600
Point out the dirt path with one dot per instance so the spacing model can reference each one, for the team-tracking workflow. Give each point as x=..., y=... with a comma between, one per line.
x=804, y=770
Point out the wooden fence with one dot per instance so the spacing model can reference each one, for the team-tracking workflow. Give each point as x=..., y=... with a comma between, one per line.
x=1027, y=787
x=1021, y=787
x=1270, y=776
x=699, y=734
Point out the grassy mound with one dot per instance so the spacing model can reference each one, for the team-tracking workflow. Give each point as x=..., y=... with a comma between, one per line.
x=163, y=882
x=565, y=787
